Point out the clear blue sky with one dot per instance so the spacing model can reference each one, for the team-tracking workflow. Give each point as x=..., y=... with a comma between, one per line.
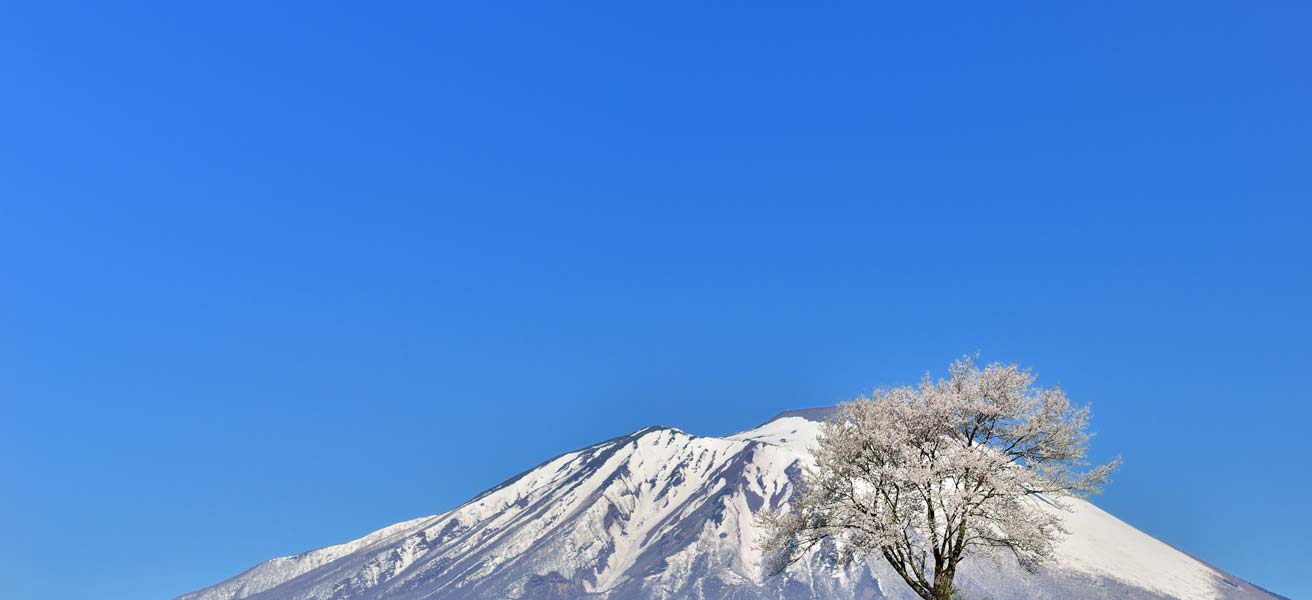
x=271, y=278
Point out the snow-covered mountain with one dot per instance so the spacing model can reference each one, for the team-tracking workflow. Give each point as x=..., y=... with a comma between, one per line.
x=663, y=514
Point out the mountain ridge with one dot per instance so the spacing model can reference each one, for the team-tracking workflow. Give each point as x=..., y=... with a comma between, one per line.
x=664, y=514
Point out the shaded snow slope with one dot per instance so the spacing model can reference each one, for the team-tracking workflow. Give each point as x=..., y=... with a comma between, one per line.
x=662, y=514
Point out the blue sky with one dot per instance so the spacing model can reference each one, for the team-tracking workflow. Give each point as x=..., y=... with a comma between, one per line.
x=273, y=277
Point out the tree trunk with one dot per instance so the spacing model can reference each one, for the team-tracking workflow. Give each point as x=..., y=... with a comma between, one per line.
x=943, y=585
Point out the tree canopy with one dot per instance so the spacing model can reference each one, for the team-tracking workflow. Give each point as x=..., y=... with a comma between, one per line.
x=925, y=475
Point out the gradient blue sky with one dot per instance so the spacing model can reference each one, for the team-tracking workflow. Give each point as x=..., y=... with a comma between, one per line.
x=273, y=277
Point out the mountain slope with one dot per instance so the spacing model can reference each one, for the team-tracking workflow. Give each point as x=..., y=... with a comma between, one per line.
x=663, y=514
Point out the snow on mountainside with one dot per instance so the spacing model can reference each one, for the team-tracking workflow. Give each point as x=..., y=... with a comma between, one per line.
x=663, y=514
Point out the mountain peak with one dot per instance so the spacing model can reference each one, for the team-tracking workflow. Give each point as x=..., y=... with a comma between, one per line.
x=818, y=414
x=663, y=514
